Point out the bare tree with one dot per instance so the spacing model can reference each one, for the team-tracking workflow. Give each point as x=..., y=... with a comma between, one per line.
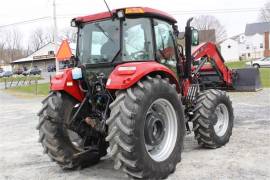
x=13, y=45
x=49, y=34
x=39, y=38
x=2, y=51
x=265, y=13
x=2, y=46
x=69, y=34
x=28, y=50
x=208, y=22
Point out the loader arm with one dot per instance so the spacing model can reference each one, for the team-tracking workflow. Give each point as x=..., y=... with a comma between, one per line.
x=211, y=53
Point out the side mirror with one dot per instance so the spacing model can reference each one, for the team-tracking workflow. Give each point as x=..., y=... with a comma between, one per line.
x=195, y=37
x=73, y=23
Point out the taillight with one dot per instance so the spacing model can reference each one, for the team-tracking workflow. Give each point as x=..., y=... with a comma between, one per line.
x=126, y=70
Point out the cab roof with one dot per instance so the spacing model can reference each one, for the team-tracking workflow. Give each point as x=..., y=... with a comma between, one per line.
x=135, y=12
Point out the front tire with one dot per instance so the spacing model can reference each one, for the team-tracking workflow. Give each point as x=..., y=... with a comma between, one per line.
x=213, y=118
x=147, y=141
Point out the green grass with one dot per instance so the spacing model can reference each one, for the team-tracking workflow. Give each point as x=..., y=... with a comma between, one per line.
x=236, y=64
x=20, y=78
x=264, y=72
x=42, y=89
x=265, y=77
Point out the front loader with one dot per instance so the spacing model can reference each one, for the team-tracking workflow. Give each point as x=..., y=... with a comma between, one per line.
x=210, y=69
x=132, y=96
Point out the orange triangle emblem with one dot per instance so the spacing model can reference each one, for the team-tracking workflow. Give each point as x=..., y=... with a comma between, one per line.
x=64, y=52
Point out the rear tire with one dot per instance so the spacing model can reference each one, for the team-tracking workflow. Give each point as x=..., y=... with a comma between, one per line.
x=54, y=137
x=213, y=118
x=129, y=137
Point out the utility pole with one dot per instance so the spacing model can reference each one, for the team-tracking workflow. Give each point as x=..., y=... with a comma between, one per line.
x=55, y=35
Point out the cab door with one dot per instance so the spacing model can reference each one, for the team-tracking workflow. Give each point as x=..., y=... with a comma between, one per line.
x=165, y=46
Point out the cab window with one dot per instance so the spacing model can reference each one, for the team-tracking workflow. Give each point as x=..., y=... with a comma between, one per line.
x=165, y=50
x=137, y=40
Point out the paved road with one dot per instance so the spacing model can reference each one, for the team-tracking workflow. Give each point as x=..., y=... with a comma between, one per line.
x=2, y=85
x=245, y=157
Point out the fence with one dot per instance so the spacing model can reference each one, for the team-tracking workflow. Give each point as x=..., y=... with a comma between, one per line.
x=25, y=81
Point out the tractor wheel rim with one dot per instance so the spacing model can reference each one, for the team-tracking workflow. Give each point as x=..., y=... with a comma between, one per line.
x=222, y=124
x=161, y=128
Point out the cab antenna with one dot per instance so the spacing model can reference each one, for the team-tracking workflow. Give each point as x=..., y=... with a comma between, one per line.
x=108, y=8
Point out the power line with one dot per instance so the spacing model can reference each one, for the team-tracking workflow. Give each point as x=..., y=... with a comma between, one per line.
x=215, y=11
x=178, y=12
x=26, y=21
x=183, y=12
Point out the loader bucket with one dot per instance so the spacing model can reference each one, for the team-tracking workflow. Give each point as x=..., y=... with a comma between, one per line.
x=246, y=79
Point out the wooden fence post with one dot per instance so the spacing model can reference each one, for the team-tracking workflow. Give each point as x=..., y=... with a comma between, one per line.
x=36, y=82
x=5, y=83
x=11, y=83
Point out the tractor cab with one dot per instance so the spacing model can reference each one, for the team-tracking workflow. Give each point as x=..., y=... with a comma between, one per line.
x=126, y=35
x=106, y=40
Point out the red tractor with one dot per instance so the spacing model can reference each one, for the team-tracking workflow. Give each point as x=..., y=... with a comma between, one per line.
x=132, y=95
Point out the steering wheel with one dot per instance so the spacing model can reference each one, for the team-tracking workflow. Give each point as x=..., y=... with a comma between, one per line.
x=162, y=56
x=137, y=54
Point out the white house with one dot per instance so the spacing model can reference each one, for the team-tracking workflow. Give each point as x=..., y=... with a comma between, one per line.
x=230, y=50
x=252, y=44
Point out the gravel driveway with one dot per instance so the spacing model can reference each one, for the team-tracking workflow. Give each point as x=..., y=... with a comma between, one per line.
x=246, y=156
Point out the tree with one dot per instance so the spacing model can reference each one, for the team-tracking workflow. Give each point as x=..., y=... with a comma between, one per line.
x=2, y=46
x=208, y=22
x=11, y=46
x=265, y=13
x=39, y=38
x=2, y=51
x=69, y=34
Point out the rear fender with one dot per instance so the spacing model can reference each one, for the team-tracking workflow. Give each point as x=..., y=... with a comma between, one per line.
x=63, y=81
x=126, y=75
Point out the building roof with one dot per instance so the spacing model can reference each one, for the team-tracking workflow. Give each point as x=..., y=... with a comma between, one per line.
x=43, y=53
x=235, y=37
x=228, y=40
x=257, y=28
